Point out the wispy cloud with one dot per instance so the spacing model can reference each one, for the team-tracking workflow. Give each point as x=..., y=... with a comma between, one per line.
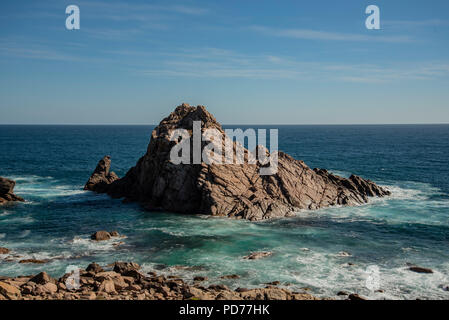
x=307, y=34
x=140, y=11
x=218, y=63
x=415, y=23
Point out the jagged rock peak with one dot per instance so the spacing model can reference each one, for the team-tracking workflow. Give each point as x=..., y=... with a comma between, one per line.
x=7, y=191
x=101, y=177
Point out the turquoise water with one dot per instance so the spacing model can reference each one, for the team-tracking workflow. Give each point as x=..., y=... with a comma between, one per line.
x=52, y=163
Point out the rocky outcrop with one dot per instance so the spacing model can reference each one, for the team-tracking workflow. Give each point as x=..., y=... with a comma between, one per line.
x=94, y=284
x=6, y=191
x=101, y=177
x=104, y=235
x=233, y=190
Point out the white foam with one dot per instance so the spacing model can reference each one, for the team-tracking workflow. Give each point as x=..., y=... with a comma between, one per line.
x=85, y=243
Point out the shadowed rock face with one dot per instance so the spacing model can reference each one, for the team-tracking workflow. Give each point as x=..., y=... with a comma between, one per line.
x=226, y=189
x=6, y=191
x=101, y=178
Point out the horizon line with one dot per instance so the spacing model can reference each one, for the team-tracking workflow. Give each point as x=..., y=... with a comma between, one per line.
x=229, y=124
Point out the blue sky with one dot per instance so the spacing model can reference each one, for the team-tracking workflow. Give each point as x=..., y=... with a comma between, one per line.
x=249, y=62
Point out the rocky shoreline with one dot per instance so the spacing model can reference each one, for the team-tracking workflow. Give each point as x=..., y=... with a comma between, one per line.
x=126, y=281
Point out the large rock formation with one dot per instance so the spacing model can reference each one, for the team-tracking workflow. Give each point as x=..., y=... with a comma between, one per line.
x=233, y=190
x=6, y=191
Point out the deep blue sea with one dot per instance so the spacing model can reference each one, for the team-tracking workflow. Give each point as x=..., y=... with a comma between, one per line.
x=52, y=163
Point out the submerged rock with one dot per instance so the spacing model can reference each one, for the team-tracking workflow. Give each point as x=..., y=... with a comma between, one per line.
x=258, y=255
x=420, y=269
x=6, y=191
x=233, y=190
x=230, y=276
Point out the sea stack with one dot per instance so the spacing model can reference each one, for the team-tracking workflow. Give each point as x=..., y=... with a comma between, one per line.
x=232, y=190
x=6, y=191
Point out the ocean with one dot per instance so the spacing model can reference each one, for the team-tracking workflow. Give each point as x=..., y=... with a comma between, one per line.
x=365, y=249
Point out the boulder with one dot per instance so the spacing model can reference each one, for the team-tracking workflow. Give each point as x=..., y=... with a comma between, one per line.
x=126, y=268
x=42, y=278
x=199, y=278
x=9, y=291
x=94, y=267
x=107, y=286
x=6, y=191
x=101, y=236
x=232, y=190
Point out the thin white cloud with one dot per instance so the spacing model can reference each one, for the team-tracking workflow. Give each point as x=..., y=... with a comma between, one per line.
x=415, y=23
x=307, y=34
x=218, y=63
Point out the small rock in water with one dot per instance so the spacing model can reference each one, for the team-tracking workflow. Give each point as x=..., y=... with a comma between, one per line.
x=355, y=297
x=34, y=261
x=273, y=283
x=420, y=269
x=230, y=276
x=199, y=278
x=342, y=293
x=101, y=236
x=104, y=235
x=258, y=255
x=4, y=250
x=114, y=233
